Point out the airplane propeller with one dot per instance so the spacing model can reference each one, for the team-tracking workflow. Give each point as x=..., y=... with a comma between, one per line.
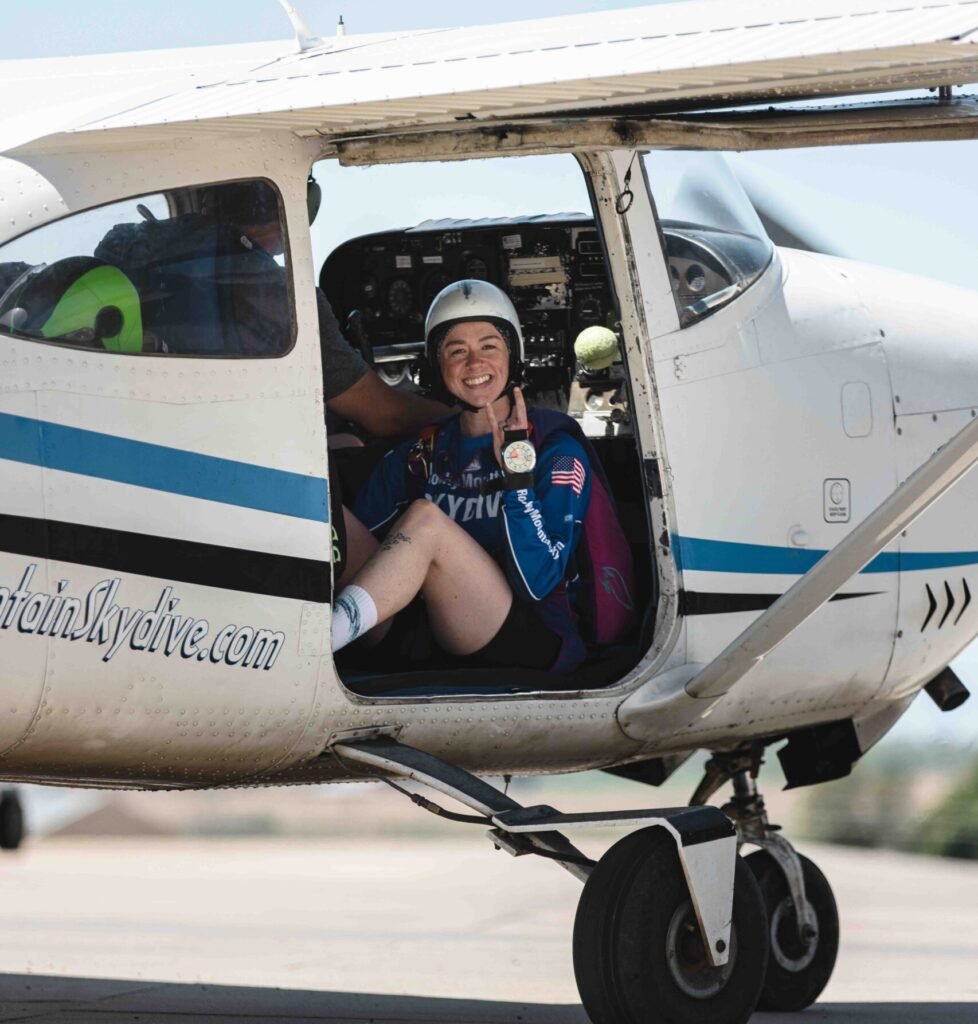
x=786, y=224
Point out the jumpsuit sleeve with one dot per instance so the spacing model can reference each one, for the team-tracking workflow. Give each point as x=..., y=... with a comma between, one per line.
x=543, y=523
x=385, y=494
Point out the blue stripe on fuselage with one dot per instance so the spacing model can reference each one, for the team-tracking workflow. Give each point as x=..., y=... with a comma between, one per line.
x=729, y=556
x=160, y=468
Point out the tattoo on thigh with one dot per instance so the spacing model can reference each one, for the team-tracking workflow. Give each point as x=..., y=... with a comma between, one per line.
x=394, y=539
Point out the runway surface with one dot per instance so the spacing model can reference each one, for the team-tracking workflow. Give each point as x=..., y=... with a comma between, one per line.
x=220, y=932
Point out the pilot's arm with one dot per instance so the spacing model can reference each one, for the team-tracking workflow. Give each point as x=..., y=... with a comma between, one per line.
x=354, y=392
x=384, y=411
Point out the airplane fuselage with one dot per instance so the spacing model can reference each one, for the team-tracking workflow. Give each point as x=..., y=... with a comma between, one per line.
x=165, y=584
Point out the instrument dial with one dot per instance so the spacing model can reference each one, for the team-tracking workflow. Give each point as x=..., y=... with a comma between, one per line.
x=519, y=457
x=590, y=310
x=695, y=277
x=431, y=285
x=400, y=299
x=476, y=269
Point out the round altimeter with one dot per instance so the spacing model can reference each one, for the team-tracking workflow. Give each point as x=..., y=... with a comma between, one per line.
x=519, y=457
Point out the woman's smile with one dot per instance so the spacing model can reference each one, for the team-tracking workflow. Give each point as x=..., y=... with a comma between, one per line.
x=474, y=362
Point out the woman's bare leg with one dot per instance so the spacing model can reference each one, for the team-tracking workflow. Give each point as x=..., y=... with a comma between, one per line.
x=466, y=593
x=360, y=545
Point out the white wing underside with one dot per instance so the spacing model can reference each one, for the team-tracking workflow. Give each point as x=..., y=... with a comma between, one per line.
x=703, y=55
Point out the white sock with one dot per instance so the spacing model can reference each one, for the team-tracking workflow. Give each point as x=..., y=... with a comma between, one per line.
x=354, y=613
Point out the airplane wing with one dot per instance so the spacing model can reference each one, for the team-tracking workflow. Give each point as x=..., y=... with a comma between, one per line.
x=920, y=490
x=51, y=95
x=649, y=61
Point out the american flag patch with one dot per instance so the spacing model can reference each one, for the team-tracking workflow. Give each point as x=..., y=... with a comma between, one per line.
x=568, y=472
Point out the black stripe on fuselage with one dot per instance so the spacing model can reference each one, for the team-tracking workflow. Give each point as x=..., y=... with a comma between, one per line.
x=693, y=602
x=182, y=561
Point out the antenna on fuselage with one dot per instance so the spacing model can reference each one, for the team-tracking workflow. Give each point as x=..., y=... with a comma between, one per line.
x=341, y=27
x=303, y=34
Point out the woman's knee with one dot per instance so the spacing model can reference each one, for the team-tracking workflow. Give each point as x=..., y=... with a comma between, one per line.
x=438, y=533
x=424, y=514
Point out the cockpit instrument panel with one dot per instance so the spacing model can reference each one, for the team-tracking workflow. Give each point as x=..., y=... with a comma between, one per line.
x=551, y=266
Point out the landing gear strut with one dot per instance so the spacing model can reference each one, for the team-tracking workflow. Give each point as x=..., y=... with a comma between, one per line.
x=671, y=926
x=802, y=918
x=639, y=954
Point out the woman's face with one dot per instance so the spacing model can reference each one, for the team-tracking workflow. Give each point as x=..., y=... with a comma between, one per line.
x=474, y=362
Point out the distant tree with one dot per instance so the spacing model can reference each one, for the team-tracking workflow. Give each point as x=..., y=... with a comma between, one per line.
x=882, y=804
x=861, y=810
x=951, y=830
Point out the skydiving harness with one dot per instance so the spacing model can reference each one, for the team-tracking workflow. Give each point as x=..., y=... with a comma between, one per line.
x=605, y=591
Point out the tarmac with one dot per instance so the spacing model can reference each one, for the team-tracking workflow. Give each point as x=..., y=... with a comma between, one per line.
x=173, y=931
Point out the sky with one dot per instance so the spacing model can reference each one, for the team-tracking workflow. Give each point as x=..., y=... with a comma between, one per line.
x=48, y=28
x=911, y=206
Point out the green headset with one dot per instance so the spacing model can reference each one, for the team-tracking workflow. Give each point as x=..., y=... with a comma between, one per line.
x=79, y=299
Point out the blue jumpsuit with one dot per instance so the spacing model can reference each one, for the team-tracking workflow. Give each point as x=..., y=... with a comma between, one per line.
x=530, y=533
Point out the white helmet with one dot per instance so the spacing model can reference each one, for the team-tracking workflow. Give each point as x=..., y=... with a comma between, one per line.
x=464, y=302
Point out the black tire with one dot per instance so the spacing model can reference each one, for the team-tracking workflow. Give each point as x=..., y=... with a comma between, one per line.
x=595, y=922
x=796, y=973
x=11, y=821
x=638, y=957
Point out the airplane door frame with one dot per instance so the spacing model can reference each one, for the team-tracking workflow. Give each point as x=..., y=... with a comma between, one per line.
x=640, y=274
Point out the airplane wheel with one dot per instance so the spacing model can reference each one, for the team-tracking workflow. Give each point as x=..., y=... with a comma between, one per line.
x=796, y=973
x=11, y=821
x=638, y=955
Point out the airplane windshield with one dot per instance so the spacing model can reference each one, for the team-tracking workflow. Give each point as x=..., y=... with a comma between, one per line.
x=715, y=243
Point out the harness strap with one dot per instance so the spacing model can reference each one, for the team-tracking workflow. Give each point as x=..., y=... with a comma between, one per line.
x=419, y=459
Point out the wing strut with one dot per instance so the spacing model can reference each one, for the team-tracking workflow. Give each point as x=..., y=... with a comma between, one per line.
x=917, y=493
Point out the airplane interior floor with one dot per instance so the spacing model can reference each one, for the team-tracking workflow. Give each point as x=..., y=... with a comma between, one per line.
x=408, y=930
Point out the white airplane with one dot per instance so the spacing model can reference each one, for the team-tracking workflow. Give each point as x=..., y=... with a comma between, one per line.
x=783, y=433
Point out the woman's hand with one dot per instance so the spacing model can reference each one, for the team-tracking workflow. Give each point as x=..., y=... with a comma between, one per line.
x=517, y=421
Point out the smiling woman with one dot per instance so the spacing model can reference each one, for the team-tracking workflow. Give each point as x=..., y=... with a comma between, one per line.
x=545, y=590
x=502, y=548
x=490, y=547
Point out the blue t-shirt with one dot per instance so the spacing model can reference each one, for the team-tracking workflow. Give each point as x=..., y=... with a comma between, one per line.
x=531, y=534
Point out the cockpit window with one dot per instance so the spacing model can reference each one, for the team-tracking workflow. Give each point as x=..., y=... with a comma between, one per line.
x=189, y=272
x=715, y=243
